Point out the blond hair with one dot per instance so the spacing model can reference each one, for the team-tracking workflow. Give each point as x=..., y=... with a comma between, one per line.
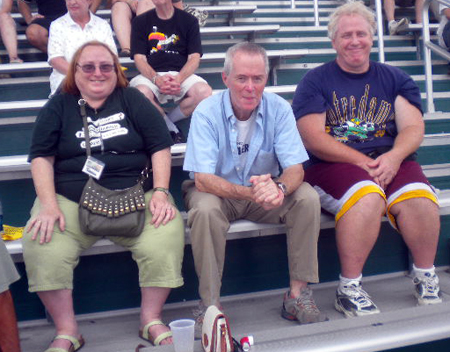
x=349, y=9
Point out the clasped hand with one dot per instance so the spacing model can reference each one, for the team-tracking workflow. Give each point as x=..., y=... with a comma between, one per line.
x=168, y=85
x=383, y=169
x=265, y=192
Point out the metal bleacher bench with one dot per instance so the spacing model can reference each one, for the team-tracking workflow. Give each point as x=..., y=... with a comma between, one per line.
x=416, y=29
x=14, y=167
x=276, y=57
x=231, y=11
x=251, y=31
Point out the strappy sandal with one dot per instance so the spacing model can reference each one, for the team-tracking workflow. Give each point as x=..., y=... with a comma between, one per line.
x=155, y=341
x=76, y=344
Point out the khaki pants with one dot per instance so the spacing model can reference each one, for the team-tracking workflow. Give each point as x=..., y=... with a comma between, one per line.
x=209, y=218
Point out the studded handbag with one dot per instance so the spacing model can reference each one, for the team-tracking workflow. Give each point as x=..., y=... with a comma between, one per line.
x=105, y=212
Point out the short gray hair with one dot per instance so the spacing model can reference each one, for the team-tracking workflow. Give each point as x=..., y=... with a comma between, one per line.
x=348, y=9
x=244, y=47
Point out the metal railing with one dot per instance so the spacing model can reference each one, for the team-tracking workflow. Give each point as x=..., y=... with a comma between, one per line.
x=379, y=15
x=429, y=47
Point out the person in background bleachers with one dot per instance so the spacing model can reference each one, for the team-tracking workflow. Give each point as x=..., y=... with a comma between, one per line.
x=124, y=11
x=361, y=122
x=8, y=31
x=443, y=31
x=389, y=9
x=39, y=23
x=9, y=334
x=69, y=32
x=166, y=47
x=201, y=15
x=245, y=157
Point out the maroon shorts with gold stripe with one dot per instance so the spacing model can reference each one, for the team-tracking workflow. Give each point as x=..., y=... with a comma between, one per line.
x=341, y=185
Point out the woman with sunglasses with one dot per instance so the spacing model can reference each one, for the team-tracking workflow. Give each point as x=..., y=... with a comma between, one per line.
x=126, y=131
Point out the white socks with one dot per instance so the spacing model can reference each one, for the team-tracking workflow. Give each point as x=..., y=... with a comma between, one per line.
x=170, y=125
x=176, y=115
x=421, y=273
x=344, y=281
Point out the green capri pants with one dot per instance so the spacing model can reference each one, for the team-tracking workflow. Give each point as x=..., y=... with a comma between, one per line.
x=158, y=252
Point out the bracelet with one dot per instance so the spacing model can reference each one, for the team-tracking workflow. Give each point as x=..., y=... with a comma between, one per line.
x=153, y=80
x=161, y=189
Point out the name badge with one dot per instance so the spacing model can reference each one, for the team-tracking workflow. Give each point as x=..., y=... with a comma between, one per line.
x=93, y=167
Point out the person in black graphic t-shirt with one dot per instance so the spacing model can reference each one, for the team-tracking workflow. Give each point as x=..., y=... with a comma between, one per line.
x=39, y=24
x=166, y=47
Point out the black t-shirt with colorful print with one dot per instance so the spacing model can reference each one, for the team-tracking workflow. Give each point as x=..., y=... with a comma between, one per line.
x=165, y=43
x=124, y=133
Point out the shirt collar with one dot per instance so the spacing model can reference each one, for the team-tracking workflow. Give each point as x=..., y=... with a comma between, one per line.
x=73, y=23
x=228, y=108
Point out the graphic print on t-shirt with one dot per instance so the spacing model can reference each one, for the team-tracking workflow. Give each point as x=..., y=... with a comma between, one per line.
x=349, y=121
x=162, y=42
x=102, y=129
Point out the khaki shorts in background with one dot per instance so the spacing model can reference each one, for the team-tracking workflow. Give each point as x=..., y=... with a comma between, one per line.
x=162, y=98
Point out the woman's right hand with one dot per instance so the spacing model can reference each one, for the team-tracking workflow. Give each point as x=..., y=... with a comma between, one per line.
x=42, y=225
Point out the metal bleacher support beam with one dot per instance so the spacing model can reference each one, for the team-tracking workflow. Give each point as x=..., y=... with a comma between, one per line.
x=230, y=11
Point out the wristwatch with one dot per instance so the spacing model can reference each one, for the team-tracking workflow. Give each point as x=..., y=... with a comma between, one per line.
x=161, y=189
x=153, y=80
x=282, y=186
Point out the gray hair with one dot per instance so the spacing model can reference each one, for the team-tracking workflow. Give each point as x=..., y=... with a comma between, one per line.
x=247, y=48
x=348, y=9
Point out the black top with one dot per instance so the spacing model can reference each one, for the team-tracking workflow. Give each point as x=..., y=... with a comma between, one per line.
x=165, y=43
x=124, y=133
x=50, y=7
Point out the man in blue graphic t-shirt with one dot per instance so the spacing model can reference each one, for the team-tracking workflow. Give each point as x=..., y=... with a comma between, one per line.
x=361, y=122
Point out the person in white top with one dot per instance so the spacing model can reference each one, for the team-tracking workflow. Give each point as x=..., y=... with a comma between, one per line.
x=443, y=31
x=69, y=32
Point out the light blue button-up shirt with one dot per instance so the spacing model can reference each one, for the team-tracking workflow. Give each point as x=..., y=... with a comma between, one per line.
x=212, y=148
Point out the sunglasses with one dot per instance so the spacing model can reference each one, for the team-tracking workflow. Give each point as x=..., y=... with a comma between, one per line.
x=90, y=68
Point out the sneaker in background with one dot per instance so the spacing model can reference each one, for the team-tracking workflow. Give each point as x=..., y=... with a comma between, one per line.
x=302, y=308
x=353, y=301
x=201, y=15
x=427, y=289
x=395, y=26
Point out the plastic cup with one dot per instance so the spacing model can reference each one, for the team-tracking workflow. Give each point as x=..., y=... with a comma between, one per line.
x=183, y=335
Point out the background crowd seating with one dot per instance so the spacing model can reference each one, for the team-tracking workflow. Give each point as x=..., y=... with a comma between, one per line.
x=256, y=261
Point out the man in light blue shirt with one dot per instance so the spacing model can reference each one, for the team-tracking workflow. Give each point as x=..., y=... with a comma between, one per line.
x=238, y=141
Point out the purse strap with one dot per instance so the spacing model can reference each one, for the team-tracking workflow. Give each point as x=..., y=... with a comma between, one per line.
x=82, y=104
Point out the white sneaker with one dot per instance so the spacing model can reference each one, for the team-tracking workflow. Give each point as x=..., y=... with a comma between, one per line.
x=353, y=301
x=395, y=26
x=427, y=289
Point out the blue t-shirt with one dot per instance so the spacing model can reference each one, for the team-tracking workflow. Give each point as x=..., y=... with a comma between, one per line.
x=359, y=107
